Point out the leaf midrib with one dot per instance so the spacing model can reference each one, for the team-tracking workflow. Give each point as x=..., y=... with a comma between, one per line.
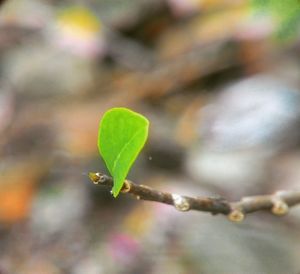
x=123, y=148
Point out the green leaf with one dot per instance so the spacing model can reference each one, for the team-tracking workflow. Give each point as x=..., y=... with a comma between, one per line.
x=122, y=135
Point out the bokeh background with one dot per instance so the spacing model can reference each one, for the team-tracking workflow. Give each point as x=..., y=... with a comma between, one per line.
x=219, y=82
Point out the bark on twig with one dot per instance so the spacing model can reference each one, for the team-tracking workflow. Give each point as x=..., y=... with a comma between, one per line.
x=277, y=203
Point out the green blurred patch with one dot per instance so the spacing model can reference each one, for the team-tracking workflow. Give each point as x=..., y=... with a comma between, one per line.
x=286, y=15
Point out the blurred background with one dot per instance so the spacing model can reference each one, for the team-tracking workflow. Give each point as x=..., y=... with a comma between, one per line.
x=219, y=82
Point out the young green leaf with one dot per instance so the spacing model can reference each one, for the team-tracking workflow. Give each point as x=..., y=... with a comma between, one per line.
x=122, y=135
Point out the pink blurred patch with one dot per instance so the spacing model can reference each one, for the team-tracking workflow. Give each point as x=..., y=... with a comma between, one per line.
x=123, y=248
x=183, y=8
x=88, y=48
x=255, y=28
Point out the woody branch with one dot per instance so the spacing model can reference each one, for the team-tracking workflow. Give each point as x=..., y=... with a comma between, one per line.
x=277, y=203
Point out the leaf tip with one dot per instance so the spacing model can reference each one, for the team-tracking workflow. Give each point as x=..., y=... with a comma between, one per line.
x=115, y=192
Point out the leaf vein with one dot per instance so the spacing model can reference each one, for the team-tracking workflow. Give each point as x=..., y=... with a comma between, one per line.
x=123, y=148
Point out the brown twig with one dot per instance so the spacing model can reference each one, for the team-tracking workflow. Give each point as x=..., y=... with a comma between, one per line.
x=278, y=203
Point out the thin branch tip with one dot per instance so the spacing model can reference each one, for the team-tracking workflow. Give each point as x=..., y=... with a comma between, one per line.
x=278, y=203
x=94, y=177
